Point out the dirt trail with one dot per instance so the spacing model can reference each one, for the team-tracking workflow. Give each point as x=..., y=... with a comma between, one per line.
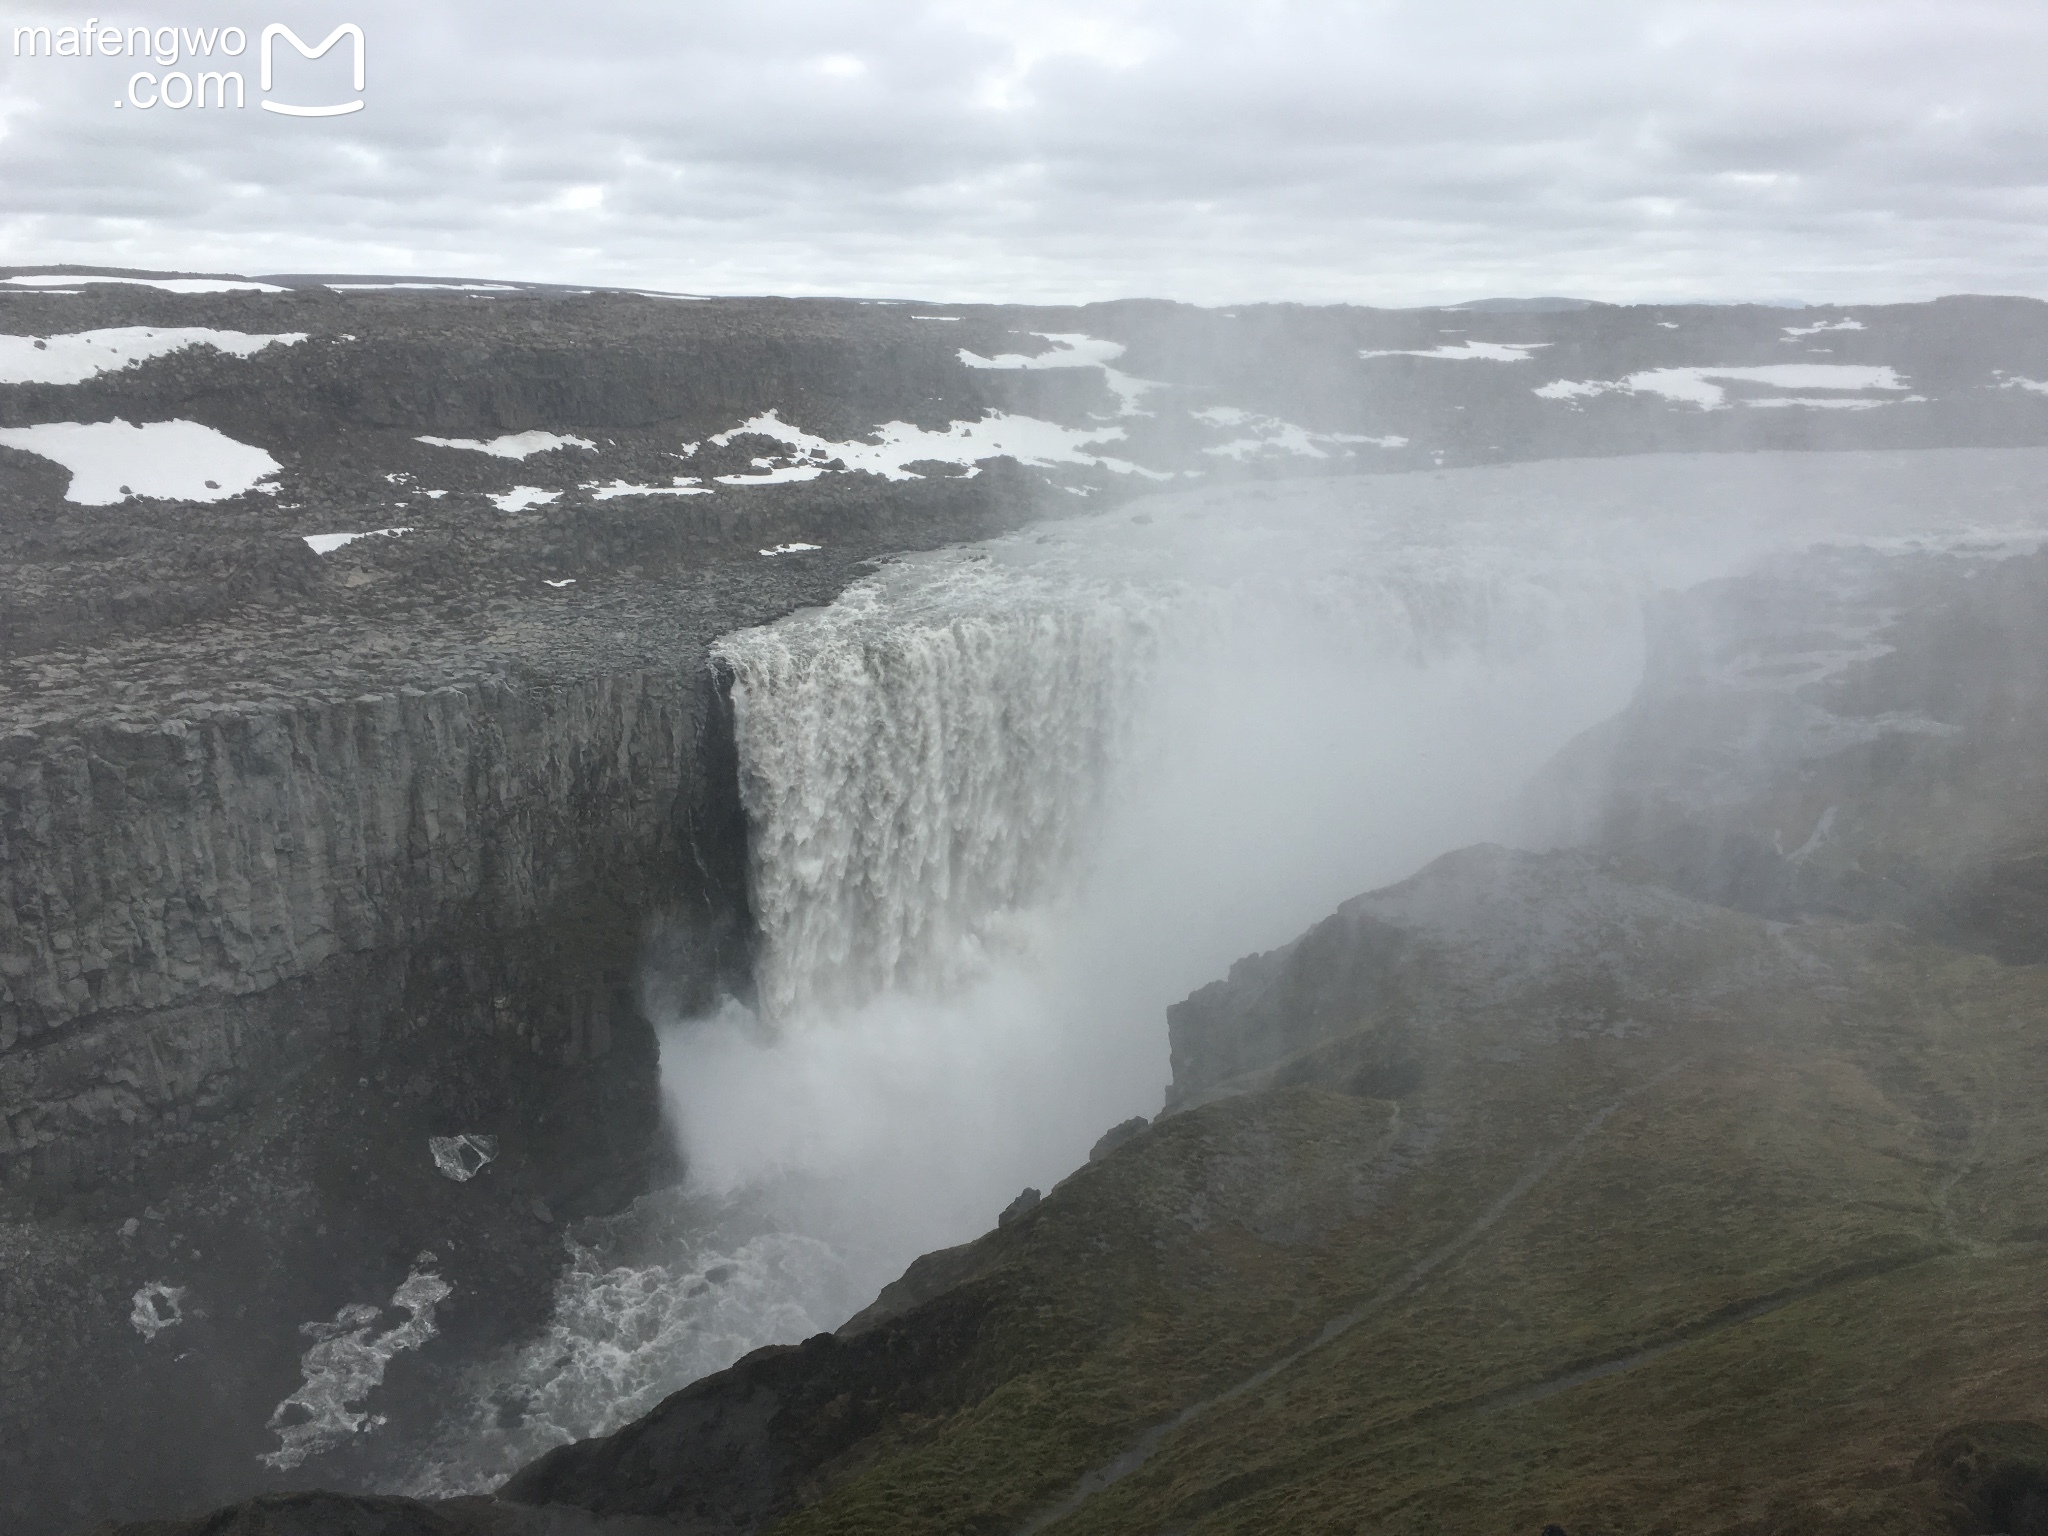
x=1147, y=1444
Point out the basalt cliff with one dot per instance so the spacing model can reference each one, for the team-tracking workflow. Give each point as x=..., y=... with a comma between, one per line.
x=349, y=806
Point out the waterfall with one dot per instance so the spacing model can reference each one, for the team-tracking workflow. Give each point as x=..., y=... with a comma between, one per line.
x=1009, y=801
x=916, y=772
x=930, y=764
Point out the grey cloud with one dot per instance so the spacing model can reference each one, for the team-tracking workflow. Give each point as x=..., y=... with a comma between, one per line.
x=1387, y=152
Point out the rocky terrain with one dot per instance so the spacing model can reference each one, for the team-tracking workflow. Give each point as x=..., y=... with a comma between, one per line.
x=315, y=851
x=1531, y=1190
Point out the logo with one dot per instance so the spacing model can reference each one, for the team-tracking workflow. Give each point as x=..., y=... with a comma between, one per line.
x=168, y=47
x=347, y=29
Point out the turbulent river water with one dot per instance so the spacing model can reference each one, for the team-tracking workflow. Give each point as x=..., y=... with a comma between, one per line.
x=1008, y=801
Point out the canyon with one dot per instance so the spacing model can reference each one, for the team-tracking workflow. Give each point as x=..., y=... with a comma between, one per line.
x=346, y=887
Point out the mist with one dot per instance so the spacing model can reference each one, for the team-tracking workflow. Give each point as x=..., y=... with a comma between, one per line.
x=1099, y=761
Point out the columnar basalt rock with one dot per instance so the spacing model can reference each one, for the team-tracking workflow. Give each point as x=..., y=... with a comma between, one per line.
x=167, y=895
x=306, y=858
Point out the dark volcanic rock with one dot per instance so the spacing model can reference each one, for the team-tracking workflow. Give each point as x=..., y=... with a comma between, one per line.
x=339, y=1514
x=305, y=859
x=736, y=1450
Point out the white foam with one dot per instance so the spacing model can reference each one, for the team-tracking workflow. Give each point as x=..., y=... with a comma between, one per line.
x=346, y=1364
x=175, y=460
x=155, y=1307
x=1822, y=325
x=936, y=317
x=1470, y=351
x=2037, y=386
x=566, y=582
x=624, y=1336
x=168, y=284
x=327, y=543
x=971, y=779
x=683, y=487
x=1698, y=386
x=462, y=1157
x=520, y=497
x=997, y=435
x=82, y=355
x=790, y=549
x=513, y=445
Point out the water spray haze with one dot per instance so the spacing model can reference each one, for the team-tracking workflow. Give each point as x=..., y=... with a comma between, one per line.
x=1009, y=802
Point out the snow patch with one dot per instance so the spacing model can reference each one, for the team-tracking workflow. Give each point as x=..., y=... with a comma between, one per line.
x=168, y=284
x=1272, y=435
x=513, y=445
x=683, y=486
x=327, y=543
x=439, y=287
x=520, y=497
x=1833, y=403
x=1697, y=386
x=1471, y=351
x=83, y=355
x=1822, y=325
x=173, y=460
x=1023, y=438
x=1071, y=349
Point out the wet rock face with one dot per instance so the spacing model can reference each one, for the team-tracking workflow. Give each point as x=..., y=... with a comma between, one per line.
x=190, y=911
x=1852, y=735
x=308, y=859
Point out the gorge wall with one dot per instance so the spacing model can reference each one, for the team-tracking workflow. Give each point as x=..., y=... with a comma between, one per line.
x=355, y=802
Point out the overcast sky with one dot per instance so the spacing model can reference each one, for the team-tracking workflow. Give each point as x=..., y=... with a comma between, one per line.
x=1406, y=152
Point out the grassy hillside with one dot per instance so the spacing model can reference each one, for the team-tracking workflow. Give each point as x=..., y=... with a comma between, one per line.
x=1719, y=1236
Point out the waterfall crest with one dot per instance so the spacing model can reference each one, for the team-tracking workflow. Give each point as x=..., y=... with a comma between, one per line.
x=913, y=780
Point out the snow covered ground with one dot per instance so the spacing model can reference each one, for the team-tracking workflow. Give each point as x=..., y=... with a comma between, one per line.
x=1702, y=386
x=112, y=460
x=168, y=284
x=1269, y=434
x=513, y=445
x=1471, y=351
x=327, y=543
x=520, y=497
x=1071, y=349
x=84, y=355
x=682, y=487
x=1023, y=438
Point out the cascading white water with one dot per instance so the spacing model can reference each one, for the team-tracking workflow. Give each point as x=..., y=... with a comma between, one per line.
x=1008, y=802
x=919, y=760
x=927, y=762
